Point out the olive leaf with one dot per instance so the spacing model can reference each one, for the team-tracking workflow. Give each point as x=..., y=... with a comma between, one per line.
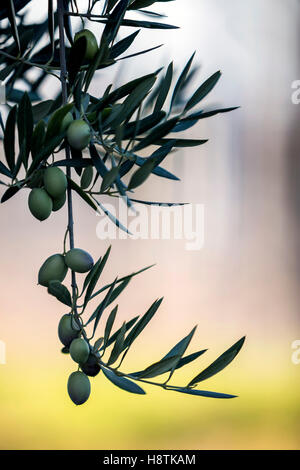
x=9, y=138
x=219, y=364
x=122, y=382
x=61, y=292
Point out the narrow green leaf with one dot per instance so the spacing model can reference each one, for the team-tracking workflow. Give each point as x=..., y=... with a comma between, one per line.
x=129, y=325
x=109, y=178
x=9, y=138
x=41, y=110
x=219, y=364
x=82, y=194
x=140, y=175
x=44, y=152
x=12, y=19
x=61, y=292
x=181, y=79
x=158, y=368
x=87, y=177
x=100, y=309
x=55, y=122
x=118, y=346
x=203, y=91
x=190, y=358
x=133, y=101
x=93, y=277
x=164, y=89
x=25, y=127
x=142, y=323
x=5, y=171
x=10, y=192
x=38, y=138
x=122, y=45
x=109, y=325
x=202, y=393
x=51, y=24
x=160, y=131
x=121, y=280
x=122, y=382
x=76, y=58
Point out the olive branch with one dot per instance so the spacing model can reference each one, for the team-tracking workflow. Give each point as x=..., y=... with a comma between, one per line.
x=149, y=111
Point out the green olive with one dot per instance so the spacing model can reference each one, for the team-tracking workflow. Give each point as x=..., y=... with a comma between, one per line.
x=79, y=387
x=40, y=203
x=79, y=260
x=53, y=269
x=66, y=331
x=79, y=350
x=55, y=181
x=58, y=203
x=91, y=367
x=91, y=43
x=79, y=134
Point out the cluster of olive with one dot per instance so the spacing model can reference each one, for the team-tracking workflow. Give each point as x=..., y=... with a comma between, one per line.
x=49, y=186
x=49, y=194
x=55, y=269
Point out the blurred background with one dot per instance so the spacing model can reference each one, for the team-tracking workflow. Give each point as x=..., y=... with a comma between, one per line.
x=245, y=280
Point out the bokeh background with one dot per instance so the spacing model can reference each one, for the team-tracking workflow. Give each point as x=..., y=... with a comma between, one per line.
x=245, y=280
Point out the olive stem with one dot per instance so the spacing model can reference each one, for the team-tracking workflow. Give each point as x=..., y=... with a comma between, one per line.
x=64, y=89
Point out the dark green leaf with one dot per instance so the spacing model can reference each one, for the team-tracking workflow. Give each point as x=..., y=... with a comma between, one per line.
x=164, y=89
x=25, y=127
x=129, y=325
x=51, y=24
x=190, y=358
x=9, y=138
x=140, y=175
x=10, y=192
x=109, y=325
x=76, y=58
x=82, y=194
x=12, y=19
x=87, y=177
x=219, y=364
x=93, y=277
x=143, y=125
x=82, y=163
x=203, y=91
x=202, y=393
x=100, y=309
x=158, y=368
x=144, y=24
x=109, y=178
x=142, y=323
x=122, y=382
x=144, y=51
x=5, y=171
x=123, y=45
x=55, y=121
x=38, y=138
x=182, y=142
x=114, y=21
x=129, y=276
x=44, y=152
x=118, y=346
x=181, y=79
x=61, y=292
x=160, y=131
x=133, y=101
x=41, y=110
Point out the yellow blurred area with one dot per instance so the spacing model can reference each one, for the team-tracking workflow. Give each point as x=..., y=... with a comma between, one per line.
x=245, y=280
x=37, y=414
